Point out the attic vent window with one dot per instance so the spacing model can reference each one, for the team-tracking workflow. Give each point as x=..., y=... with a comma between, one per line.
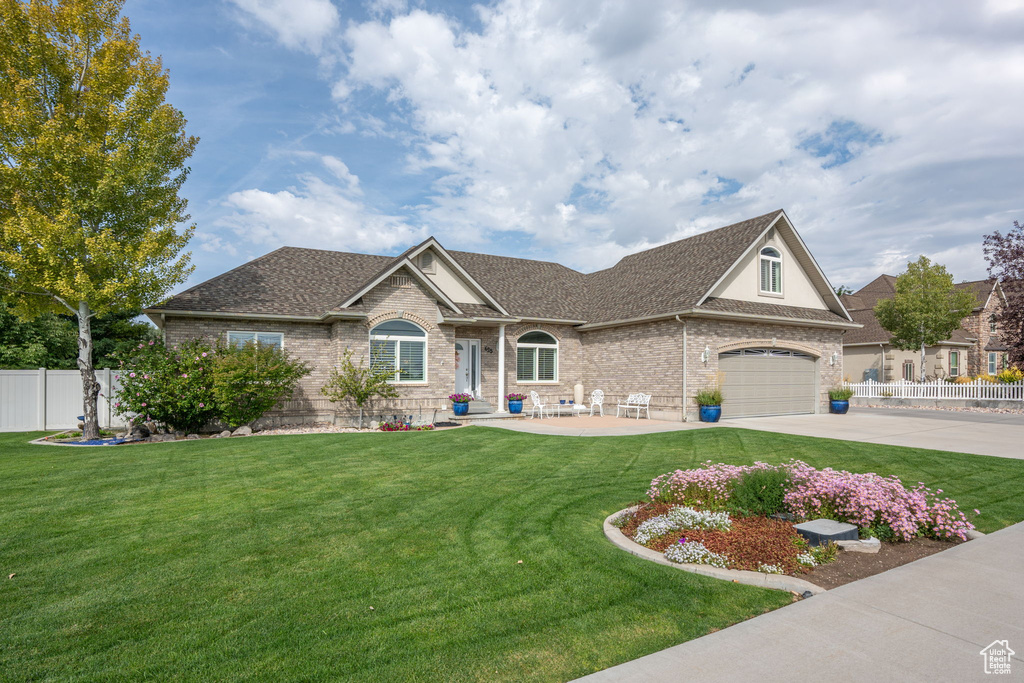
x=427, y=262
x=771, y=271
x=401, y=281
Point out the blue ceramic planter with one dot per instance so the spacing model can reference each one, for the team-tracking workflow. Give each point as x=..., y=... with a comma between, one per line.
x=460, y=409
x=710, y=413
x=515, y=407
x=839, y=407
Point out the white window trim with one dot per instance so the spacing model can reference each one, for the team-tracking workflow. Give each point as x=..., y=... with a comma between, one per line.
x=993, y=362
x=536, y=365
x=761, y=258
x=398, y=338
x=432, y=266
x=954, y=369
x=255, y=333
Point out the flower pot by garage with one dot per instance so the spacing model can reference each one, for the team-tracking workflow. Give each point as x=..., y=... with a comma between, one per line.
x=515, y=407
x=839, y=407
x=710, y=413
x=460, y=408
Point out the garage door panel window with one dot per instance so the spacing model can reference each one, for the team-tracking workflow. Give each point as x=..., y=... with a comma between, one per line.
x=537, y=358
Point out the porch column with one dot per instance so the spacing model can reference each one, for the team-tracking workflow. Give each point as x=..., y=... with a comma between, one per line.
x=501, y=369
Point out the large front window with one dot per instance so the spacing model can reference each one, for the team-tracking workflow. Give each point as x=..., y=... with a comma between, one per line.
x=771, y=271
x=400, y=346
x=537, y=358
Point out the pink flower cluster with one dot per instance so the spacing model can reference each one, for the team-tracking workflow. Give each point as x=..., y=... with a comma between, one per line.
x=870, y=499
x=866, y=500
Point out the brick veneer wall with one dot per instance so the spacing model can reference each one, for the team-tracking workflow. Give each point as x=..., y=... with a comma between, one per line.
x=570, y=362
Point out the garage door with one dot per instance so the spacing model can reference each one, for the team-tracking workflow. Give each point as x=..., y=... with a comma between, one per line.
x=767, y=382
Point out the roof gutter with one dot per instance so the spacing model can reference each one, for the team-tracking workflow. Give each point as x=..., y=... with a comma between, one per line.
x=164, y=313
x=719, y=315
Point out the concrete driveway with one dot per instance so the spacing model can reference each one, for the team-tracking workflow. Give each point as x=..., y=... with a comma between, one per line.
x=995, y=434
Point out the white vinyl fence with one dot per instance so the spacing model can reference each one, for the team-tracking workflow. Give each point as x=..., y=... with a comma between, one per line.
x=977, y=390
x=50, y=399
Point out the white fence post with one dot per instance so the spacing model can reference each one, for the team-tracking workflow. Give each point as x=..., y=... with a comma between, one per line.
x=939, y=390
x=41, y=402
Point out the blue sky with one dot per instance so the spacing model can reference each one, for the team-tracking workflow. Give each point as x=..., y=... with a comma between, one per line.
x=581, y=132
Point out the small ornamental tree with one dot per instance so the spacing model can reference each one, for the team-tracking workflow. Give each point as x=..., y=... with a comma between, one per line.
x=249, y=380
x=1005, y=256
x=925, y=309
x=358, y=383
x=172, y=386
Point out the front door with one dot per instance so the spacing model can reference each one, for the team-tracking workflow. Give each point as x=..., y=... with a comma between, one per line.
x=467, y=367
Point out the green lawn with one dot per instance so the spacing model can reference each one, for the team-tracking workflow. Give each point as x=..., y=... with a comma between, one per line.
x=261, y=558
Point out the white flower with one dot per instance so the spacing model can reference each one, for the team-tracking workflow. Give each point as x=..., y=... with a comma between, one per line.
x=695, y=552
x=769, y=569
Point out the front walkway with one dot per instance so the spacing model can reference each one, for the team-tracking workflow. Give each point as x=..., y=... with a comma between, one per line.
x=924, y=621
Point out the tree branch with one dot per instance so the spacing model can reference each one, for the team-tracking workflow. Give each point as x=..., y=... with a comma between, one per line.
x=43, y=293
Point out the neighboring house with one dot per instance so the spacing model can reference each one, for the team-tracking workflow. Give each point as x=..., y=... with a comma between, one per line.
x=973, y=349
x=746, y=303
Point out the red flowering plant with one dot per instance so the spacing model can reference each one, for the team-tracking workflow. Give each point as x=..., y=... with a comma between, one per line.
x=460, y=398
x=172, y=386
x=515, y=397
x=393, y=426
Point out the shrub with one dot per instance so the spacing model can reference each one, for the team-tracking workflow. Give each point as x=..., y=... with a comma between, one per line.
x=840, y=394
x=677, y=519
x=515, y=397
x=709, y=396
x=962, y=379
x=760, y=492
x=249, y=380
x=985, y=377
x=1010, y=375
x=359, y=384
x=393, y=426
x=173, y=386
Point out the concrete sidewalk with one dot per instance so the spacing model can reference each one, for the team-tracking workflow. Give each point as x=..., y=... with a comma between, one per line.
x=995, y=434
x=924, y=621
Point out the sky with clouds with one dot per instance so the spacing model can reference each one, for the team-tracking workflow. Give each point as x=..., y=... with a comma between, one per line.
x=581, y=132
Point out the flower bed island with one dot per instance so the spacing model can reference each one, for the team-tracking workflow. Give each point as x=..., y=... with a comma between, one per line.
x=741, y=517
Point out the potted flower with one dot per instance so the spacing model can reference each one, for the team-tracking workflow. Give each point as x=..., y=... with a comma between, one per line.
x=515, y=403
x=460, y=403
x=710, y=401
x=839, y=400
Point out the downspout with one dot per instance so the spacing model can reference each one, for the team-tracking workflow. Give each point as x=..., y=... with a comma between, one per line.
x=501, y=368
x=683, y=323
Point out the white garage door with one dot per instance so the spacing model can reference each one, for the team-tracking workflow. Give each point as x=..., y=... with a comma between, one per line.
x=767, y=382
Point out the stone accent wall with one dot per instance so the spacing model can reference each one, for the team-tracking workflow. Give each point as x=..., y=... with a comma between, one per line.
x=977, y=326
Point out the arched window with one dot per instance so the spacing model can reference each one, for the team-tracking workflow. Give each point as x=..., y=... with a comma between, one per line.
x=537, y=358
x=771, y=271
x=401, y=346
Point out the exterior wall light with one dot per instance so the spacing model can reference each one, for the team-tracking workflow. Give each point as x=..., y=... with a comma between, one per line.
x=835, y=357
x=705, y=354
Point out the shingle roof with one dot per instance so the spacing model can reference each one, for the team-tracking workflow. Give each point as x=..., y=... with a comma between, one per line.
x=671, y=277
x=980, y=288
x=659, y=281
x=288, y=281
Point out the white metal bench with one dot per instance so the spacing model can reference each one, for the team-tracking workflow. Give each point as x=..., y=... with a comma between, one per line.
x=635, y=402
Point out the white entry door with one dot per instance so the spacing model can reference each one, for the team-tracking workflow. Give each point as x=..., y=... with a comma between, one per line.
x=467, y=367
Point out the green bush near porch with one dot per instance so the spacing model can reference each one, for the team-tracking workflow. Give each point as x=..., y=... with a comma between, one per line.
x=260, y=558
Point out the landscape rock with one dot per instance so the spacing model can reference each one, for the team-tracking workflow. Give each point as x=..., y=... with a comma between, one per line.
x=244, y=430
x=868, y=545
x=152, y=427
x=141, y=432
x=192, y=437
x=226, y=433
x=179, y=435
x=157, y=438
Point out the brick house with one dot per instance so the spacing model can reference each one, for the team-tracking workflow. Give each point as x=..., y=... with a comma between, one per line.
x=973, y=349
x=745, y=305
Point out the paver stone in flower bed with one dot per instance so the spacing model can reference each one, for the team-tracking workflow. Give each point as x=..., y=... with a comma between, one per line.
x=821, y=531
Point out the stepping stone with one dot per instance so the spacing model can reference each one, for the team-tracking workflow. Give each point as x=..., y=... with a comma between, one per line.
x=821, y=531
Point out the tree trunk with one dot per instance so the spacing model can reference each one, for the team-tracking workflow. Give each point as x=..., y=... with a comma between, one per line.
x=360, y=417
x=922, y=361
x=90, y=387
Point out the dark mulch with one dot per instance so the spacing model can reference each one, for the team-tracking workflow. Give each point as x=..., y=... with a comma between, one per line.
x=850, y=567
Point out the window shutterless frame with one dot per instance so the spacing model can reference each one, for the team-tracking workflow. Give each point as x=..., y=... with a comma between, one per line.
x=402, y=346
x=770, y=272
x=242, y=337
x=537, y=358
x=954, y=363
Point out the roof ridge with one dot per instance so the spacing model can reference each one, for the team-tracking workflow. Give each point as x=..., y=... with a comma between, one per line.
x=699, y=235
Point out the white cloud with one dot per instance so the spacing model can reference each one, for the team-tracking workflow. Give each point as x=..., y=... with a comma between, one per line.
x=317, y=214
x=298, y=24
x=586, y=131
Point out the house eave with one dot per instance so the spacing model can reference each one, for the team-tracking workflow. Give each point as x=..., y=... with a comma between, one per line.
x=177, y=313
x=720, y=315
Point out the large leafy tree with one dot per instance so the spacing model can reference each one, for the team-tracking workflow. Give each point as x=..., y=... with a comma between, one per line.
x=925, y=309
x=91, y=162
x=1005, y=256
